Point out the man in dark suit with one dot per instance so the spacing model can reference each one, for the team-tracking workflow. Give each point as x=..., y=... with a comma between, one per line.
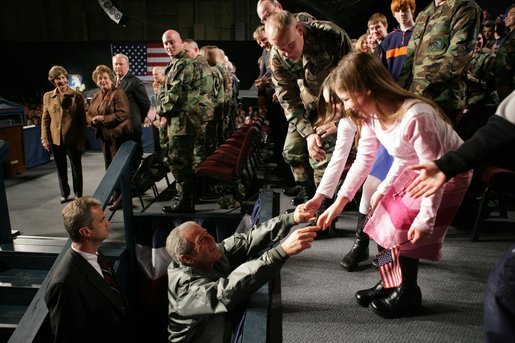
x=138, y=99
x=84, y=299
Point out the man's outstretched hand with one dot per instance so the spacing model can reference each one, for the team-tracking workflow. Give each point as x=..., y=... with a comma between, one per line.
x=303, y=215
x=299, y=240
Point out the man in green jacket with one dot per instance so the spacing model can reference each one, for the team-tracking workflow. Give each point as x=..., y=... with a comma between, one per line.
x=179, y=108
x=302, y=56
x=440, y=52
x=207, y=281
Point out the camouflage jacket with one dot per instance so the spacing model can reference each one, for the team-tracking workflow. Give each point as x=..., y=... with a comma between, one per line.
x=218, y=85
x=227, y=82
x=481, y=80
x=179, y=96
x=440, y=51
x=505, y=64
x=297, y=84
x=205, y=76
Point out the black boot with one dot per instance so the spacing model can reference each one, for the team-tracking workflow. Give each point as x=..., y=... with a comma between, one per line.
x=180, y=204
x=359, y=251
x=365, y=296
x=375, y=263
x=405, y=300
x=307, y=191
x=292, y=191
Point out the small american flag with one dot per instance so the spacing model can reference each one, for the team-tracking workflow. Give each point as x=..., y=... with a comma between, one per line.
x=142, y=58
x=389, y=267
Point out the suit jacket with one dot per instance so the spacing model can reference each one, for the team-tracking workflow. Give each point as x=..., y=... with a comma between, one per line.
x=64, y=116
x=114, y=106
x=138, y=99
x=82, y=306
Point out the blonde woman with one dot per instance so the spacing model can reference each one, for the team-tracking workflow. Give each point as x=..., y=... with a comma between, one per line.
x=63, y=130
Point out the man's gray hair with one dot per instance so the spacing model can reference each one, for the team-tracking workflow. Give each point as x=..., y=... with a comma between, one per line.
x=77, y=215
x=176, y=244
x=125, y=57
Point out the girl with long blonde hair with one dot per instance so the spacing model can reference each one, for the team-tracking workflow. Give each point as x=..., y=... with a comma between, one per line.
x=413, y=130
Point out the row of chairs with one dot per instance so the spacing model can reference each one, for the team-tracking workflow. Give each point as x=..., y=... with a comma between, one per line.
x=153, y=168
x=234, y=163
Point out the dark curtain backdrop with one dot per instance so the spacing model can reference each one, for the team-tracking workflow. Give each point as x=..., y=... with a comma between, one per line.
x=26, y=64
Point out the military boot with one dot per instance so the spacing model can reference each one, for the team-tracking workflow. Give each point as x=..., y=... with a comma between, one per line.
x=359, y=251
x=292, y=191
x=405, y=300
x=307, y=191
x=180, y=204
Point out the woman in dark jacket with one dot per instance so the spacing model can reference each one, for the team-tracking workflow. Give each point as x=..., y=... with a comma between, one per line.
x=109, y=113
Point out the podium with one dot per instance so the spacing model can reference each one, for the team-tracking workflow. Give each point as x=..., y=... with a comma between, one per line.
x=11, y=131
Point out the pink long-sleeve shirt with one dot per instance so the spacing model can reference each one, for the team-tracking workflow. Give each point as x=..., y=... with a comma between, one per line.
x=420, y=135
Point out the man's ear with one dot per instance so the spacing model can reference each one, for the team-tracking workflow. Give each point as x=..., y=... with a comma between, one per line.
x=84, y=232
x=186, y=260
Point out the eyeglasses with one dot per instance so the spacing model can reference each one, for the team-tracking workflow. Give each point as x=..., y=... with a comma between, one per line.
x=265, y=17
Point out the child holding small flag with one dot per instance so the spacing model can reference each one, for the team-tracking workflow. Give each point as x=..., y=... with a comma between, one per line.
x=412, y=129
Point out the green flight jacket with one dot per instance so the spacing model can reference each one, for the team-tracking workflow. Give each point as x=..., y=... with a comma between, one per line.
x=200, y=300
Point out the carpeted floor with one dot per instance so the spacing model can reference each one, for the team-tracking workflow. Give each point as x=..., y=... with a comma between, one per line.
x=317, y=294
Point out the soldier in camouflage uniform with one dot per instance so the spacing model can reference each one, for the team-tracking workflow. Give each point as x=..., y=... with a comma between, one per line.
x=440, y=51
x=205, y=77
x=482, y=98
x=221, y=64
x=266, y=7
x=180, y=112
x=214, y=126
x=303, y=54
x=505, y=60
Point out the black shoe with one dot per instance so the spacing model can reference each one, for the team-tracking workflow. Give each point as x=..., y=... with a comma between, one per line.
x=300, y=198
x=65, y=199
x=404, y=301
x=180, y=204
x=365, y=296
x=292, y=191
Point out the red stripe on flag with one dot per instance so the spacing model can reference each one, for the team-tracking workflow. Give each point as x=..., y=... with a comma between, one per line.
x=390, y=271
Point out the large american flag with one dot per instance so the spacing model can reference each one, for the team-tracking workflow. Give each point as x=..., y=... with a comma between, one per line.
x=389, y=267
x=142, y=58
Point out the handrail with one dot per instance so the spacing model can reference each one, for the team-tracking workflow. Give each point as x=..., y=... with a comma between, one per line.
x=257, y=310
x=119, y=170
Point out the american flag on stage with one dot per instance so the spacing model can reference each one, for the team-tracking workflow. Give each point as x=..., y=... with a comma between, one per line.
x=389, y=267
x=142, y=58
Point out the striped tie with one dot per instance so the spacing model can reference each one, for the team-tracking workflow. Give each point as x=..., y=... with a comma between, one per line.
x=108, y=276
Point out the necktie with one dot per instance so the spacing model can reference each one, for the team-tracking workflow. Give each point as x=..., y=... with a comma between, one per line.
x=108, y=276
x=118, y=82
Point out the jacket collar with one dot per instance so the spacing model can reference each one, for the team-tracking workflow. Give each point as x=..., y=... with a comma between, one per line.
x=97, y=282
x=69, y=92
